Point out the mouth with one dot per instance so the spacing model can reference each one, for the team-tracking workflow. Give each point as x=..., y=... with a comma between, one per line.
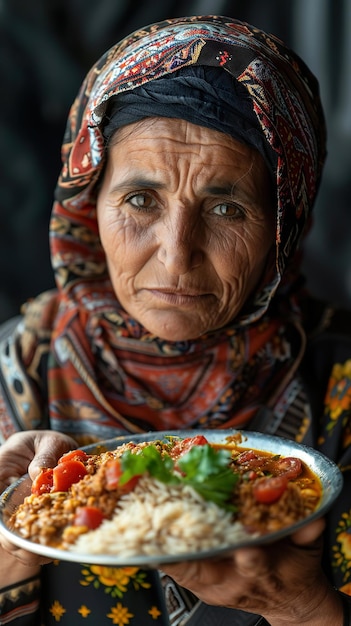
x=180, y=297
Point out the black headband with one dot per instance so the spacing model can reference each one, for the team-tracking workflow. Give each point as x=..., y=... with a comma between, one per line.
x=203, y=95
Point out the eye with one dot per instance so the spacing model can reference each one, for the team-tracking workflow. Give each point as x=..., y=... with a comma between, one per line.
x=228, y=210
x=141, y=201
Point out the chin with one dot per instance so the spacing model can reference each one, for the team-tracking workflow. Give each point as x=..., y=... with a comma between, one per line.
x=181, y=327
x=181, y=335
x=176, y=336
x=177, y=332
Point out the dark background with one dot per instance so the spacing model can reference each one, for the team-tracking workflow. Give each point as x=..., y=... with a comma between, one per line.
x=47, y=46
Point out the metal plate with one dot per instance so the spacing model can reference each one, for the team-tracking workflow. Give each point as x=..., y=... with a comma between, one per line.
x=327, y=471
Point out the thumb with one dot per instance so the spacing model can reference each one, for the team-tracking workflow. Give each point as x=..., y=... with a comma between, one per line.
x=48, y=450
x=309, y=533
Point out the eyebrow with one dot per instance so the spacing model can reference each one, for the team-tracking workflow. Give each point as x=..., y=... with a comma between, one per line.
x=137, y=183
x=147, y=183
x=223, y=190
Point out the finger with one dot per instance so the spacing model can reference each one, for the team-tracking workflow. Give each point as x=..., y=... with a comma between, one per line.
x=25, y=557
x=309, y=533
x=48, y=450
x=9, y=479
x=30, y=559
x=250, y=562
x=181, y=571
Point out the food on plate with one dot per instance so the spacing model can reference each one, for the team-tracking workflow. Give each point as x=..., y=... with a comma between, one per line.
x=168, y=496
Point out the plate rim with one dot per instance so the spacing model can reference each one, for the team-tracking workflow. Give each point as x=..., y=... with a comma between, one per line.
x=154, y=561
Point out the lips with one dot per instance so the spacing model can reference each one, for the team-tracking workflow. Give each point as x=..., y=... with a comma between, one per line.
x=179, y=297
x=179, y=292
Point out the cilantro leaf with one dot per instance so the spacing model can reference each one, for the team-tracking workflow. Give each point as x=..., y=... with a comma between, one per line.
x=203, y=468
x=207, y=471
x=147, y=460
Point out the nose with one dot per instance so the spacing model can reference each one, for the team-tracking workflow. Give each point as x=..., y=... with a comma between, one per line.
x=179, y=243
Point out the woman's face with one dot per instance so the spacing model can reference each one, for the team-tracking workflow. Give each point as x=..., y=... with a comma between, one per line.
x=186, y=222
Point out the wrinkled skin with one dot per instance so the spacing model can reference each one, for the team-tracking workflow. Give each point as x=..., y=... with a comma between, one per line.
x=24, y=452
x=282, y=581
x=187, y=223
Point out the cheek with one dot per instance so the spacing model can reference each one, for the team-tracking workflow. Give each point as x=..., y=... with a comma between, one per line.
x=126, y=248
x=113, y=229
x=240, y=264
x=236, y=255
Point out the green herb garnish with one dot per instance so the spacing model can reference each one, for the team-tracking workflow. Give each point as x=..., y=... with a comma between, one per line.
x=147, y=460
x=203, y=468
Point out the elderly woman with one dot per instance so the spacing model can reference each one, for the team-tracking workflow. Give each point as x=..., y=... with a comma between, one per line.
x=191, y=162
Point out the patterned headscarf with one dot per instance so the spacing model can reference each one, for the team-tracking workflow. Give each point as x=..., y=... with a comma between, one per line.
x=284, y=96
x=106, y=372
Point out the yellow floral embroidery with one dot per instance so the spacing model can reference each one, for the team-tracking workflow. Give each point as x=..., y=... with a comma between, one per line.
x=114, y=575
x=84, y=611
x=57, y=610
x=114, y=579
x=154, y=612
x=338, y=398
x=120, y=615
x=342, y=552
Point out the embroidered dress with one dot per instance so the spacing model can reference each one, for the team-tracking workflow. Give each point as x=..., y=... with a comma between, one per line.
x=77, y=363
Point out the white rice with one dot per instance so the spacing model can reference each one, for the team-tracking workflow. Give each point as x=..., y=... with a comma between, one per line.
x=156, y=519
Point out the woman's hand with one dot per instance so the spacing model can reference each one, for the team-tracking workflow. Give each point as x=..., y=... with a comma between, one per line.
x=23, y=452
x=282, y=581
x=29, y=451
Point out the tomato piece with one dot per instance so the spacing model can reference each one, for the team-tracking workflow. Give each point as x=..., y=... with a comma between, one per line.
x=270, y=489
x=251, y=475
x=290, y=467
x=90, y=516
x=66, y=473
x=43, y=482
x=246, y=456
x=252, y=460
x=113, y=473
x=73, y=455
x=186, y=444
x=130, y=484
